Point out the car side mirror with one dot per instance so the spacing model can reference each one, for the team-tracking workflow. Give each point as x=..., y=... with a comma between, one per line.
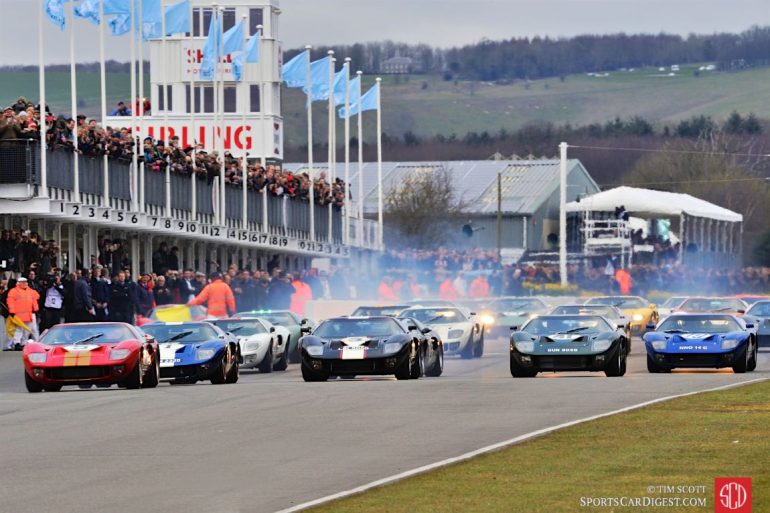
x=304, y=329
x=650, y=326
x=621, y=326
x=272, y=329
x=514, y=328
x=473, y=313
x=741, y=312
x=749, y=325
x=425, y=331
x=412, y=327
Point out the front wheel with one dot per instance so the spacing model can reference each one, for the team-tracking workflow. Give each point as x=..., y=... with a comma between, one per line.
x=617, y=366
x=743, y=365
x=266, y=365
x=436, y=367
x=283, y=362
x=152, y=378
x=469, y=350
x=33, y=387
x=310, y=376
x=753, y=361
x=517, y=371
x=234, y=373
x=134, y=380
x=220, y=374
x=478, y=350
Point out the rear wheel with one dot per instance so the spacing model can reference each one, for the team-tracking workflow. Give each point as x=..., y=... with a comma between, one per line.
x=266, y=365
x=517, y=371
x=310, y=375
x=33, y=386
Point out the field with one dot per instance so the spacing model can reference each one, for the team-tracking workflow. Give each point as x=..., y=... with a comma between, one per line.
x=428, y=105
x=633, y=455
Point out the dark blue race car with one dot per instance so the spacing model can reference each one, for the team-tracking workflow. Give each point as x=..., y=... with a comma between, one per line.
x=196, y=351
x=702, y=340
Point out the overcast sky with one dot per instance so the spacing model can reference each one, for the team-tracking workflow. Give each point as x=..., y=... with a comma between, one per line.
x=436, y=22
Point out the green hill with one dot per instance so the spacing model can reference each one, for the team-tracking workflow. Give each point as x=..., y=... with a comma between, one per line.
x=427, y=105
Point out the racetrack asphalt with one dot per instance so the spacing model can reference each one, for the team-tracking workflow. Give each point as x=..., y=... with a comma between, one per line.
x=271, y=441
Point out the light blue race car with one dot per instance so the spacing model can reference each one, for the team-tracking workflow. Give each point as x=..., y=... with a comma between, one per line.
x=702, y=341
x=196, y=351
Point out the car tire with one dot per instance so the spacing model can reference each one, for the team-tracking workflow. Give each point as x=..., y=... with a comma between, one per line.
x=266, y=365
x=404, y=369
x=469, y=350
x=616, y=367
x=416, y=366
x=742, y=365
x=436, y=367
x=234, y=373
x=311, y=376
x=152, y=378
x=219, y=376
x=33, y=387
x=283, y=362
x=478, y=351
x=134, y=380
x=654, y=368
x=517, y=371
x=753, y=361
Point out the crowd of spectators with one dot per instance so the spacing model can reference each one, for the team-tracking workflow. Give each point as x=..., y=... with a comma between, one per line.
x=22, y=121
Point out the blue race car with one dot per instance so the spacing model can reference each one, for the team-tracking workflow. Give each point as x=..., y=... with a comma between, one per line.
x=196, y=351
x=702, y=340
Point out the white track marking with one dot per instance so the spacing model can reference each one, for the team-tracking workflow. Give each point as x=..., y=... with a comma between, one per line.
x=500, y=445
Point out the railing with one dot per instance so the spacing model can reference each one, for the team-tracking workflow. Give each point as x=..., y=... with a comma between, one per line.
x=19, y=162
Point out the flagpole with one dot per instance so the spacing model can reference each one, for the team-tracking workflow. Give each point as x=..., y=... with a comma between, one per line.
x=74, y=108
x=214, y=141
x=360, y=231
x=43, y=192
x=379, y=164
x=262, y=117
x=166, y=132
x=193, y=107
x=132, y=102
x=309, y=85
x=346, y=204
x=244, y=163
x=140, y=138
x=330, y=141
x=221, y=105
x=103, y=85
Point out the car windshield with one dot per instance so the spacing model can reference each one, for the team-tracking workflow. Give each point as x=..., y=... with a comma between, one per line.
x=241, y=328
x=350, y=327
x=177, y=313
x=182, y=333
x=367, y=311
x=760, y=309
x=277, y=318
x=705, y=304
x=699, y=324
x=438, y=315
x=602, y=310
x=515, y=305
x=622, y=302
x=65, y=334
x=673, y=302
x=568, y=324
x=750, y=300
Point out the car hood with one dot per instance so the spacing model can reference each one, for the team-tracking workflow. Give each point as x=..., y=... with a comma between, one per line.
x=695, y=342
x=444, y=329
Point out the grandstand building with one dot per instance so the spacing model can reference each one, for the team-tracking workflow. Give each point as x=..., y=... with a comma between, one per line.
x=112, y=202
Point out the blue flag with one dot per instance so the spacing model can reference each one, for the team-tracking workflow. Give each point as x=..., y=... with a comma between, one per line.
x=117, y=7
x=54, y=9
x=319, y=76
x=253, y=47
x=211, y=51
x=338, y=89
x=294, y=72
x=232, y=40
x=354, y=87
x=370, y=100
x=89, y=10
x=177, y=21
x=237, y=66
x=120, y=24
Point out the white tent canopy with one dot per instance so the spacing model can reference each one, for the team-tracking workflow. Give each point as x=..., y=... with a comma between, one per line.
x=653, y=204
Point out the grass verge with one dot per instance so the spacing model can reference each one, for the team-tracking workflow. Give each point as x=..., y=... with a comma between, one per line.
x=686, y=441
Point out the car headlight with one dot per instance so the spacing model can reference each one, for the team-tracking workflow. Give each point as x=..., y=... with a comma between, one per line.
x=638, y=317
x=315, y=350
x=525, y=347
x=455, y=334
x=37, y=357
x=659, y=345
x=600, y=346
x=392, y=347
x=119, y=354
x=204, y=354
x=252, y=346
x=730, y=343
x=487, y=319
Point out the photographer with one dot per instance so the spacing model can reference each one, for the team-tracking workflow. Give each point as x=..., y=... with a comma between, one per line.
x=53, y=306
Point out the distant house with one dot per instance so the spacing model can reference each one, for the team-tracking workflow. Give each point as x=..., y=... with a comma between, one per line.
x=397, y=66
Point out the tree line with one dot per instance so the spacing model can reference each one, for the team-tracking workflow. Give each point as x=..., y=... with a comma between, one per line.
x=541, y=57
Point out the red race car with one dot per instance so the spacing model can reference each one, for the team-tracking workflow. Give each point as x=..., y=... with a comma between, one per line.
x=85, y=354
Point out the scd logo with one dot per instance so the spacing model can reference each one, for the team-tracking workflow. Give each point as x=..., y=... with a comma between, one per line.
x=732, y=495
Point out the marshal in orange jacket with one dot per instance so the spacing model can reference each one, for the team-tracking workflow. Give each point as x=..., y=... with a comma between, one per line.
x=218, y=297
